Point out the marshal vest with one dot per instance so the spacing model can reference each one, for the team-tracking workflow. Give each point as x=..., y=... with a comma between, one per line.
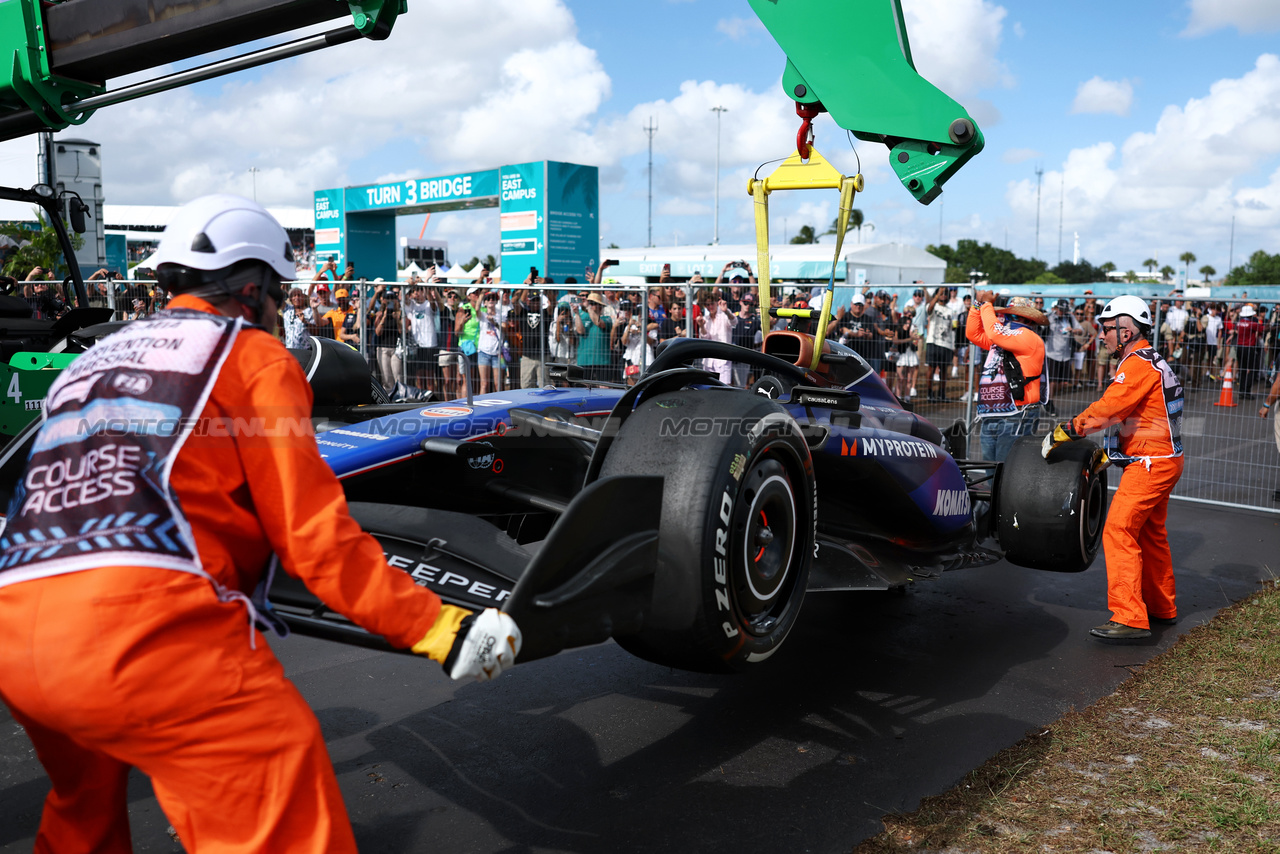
x=96, y=491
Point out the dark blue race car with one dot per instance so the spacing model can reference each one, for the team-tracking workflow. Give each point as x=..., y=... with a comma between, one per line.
x=685, y=519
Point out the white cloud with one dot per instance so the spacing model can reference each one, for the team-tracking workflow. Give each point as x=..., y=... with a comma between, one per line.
x=739, y=28
x=1247, y=16
x=303, y=121
x=1096, y=95
x=1019, y=155
x=1179, y=183
x=954, y=44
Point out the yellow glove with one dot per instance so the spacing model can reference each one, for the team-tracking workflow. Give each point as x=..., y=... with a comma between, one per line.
x=438, y=642
x=470, y=645
x=1062, y=432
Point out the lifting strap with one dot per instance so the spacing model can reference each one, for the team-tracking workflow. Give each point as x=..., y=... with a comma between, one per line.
x=797, y=174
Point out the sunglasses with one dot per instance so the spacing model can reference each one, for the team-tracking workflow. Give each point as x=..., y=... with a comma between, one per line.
x=1108, y=327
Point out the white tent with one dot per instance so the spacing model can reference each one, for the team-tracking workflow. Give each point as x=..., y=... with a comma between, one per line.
x=457, y=273
x=411, y=270
x=496, y=275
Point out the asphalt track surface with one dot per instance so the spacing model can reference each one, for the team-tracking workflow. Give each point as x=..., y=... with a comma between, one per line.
x=874, y=702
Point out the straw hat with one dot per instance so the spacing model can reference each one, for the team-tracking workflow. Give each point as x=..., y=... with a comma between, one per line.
x=1026, y=309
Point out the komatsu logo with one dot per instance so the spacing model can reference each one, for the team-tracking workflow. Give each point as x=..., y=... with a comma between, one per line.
x=952, y=502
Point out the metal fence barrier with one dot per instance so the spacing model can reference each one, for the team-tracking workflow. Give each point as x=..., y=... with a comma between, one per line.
x=411, y=338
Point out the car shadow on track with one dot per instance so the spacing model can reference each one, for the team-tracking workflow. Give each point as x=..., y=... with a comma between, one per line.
x=869, y=706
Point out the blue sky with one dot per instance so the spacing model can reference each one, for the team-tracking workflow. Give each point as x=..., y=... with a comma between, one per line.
x=1154, y=122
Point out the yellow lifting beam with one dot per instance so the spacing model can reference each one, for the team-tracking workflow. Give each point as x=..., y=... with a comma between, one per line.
x=797, y=174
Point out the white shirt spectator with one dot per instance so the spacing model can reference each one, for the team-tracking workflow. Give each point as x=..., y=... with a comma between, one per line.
x=491, y=329
x=296, y=334
x=1212, y=329
x=1177, y=319
x=1057, y=345
x=422, y=322
x=940, y=328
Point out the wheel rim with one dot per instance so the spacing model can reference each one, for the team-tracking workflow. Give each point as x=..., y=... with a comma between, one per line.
x=1091, y=506
x=764, y=554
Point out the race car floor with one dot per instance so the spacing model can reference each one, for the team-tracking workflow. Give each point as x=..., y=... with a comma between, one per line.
x=875, y=702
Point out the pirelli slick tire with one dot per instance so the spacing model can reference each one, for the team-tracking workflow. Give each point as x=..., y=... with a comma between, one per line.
x=737, y=533
x=1051, y=512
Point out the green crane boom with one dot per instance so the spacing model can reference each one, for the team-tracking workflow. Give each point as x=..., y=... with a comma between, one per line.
x=852, y=59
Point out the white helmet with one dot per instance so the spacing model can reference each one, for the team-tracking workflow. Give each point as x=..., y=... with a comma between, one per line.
x=215, y=232
x=1130, y=305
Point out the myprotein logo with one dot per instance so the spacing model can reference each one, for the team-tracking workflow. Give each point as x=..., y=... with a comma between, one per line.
x=887, y=448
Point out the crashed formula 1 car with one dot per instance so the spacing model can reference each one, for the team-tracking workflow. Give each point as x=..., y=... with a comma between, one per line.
x=685, y=519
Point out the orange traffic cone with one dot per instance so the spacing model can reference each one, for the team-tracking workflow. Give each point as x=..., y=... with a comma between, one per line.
x=1225, y=399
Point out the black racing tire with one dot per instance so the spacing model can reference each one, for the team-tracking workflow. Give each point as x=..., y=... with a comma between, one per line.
x=1051, y=512
x=737, y=531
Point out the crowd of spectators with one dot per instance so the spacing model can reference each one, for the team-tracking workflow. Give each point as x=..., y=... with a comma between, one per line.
x=413, y=332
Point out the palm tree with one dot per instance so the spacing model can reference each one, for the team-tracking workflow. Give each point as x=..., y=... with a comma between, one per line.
x=1150, y=264
x=806, y=235
x=1207, y=272
x=1188, y=258
x=1131, y=276
x=1167, y=272
x=1107, y=267
x=855, y=221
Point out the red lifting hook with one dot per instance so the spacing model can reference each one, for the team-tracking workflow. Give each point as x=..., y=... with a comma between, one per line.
x=804, y=136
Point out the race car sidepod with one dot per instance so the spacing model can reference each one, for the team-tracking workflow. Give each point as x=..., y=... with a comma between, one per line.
x=591, y=578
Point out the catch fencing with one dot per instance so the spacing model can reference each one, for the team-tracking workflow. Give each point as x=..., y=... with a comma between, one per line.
x=1231, y=453
x=1226, y=366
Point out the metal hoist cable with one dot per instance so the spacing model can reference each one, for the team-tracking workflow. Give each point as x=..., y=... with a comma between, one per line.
x=797, y=173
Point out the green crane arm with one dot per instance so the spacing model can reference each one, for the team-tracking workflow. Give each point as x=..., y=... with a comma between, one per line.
x=55, y=57
x=852, y=59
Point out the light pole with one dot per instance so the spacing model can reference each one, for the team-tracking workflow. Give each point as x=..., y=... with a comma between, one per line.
x=254, y=170
x=716, y=234
x=651, y=129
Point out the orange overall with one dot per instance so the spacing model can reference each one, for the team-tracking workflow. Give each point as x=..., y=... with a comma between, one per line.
x=1140, y=581
x=133, y=666
x=988, y=329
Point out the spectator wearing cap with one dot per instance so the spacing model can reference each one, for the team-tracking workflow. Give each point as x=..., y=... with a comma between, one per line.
x=1246, y=332
x=319, y=304
x=856, y=329
x=344, y=317
x=492, y=316
x=593, y=327
x=1008, y=404
x=746, y=333
x=447, y=340
x=1063, y=328
x=529, y=320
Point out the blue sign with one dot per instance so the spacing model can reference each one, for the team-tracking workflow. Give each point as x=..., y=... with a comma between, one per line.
x=573, y=224
x=548, y=215
x=522, y=219
x=426, y=192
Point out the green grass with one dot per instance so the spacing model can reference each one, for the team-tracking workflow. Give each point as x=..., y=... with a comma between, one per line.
x=1184, y=756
